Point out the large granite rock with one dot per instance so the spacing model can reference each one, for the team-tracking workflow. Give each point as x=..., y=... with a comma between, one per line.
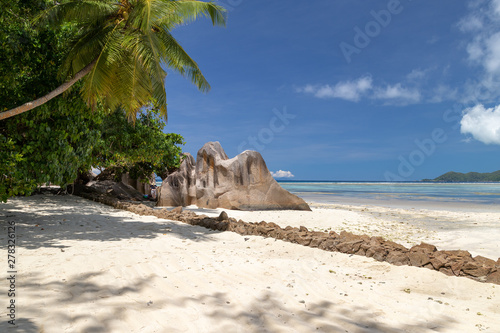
x=214, y=180
x=144, y=188
x=178, y=189
x=116, y=189
x=112, y=174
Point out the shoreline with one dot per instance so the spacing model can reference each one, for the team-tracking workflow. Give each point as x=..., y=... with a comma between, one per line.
x=441, y=196
x=395, y=202
x=95, y=267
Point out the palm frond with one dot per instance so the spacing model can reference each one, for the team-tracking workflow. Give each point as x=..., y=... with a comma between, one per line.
x=129, y=41
x=97, y=82
x=86, y=47
x=177, y=58
x=175, y=13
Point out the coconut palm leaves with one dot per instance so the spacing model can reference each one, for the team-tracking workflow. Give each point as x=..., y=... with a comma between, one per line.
x=121, y=48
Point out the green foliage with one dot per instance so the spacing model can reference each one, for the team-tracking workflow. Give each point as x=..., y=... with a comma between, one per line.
x=51, y=145
x=62, y=138
x=45, y=144
x=30, y=57
x=471, y=177
x=8, y=160
x=141, y=148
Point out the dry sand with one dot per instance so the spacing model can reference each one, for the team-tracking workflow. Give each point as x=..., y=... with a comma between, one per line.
x=86, y=267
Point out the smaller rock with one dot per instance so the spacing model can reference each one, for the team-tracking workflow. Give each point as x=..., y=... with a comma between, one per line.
x=459, y=253
x=328, y=245
x=304, y=240
x=418, y=259
x=484, y=261
x=392, y=246
x=475, y=271
x=446, y=271
x=494, y=278
x=223, y=216
x=378, y=253
x=397, y=258
x=349, y=247
x=424, y=247
x=336, y=235
x=376, y=241
x=437, y=263
x=456, y=267
x=177, y=210
x=316, y=242
x=303, y=229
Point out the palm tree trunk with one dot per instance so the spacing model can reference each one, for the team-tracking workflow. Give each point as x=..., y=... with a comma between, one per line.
x=42, y=100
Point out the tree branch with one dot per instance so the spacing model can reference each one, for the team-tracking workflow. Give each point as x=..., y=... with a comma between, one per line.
x=56, y=92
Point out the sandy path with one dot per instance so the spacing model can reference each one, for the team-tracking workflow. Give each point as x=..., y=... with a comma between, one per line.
x=96, y=269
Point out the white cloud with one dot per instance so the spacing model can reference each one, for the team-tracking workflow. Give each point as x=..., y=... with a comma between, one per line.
x=486, y=90
x=483, y=124
x=473, y=22
x=307, y=89
x=417, y=74
x=401, y=93
x=483, y=49
x=282, y=174
x=348, y=90
x=475, y=50
x=481, y=25
x=492, y=54
x=398, y=93
x=496, y=6
x=443, y=93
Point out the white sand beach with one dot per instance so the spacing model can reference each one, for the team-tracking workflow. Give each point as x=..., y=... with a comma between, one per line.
x=86, y=267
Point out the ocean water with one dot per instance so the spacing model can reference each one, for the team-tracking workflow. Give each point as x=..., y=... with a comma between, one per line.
x=481, y=196
x=456, y=196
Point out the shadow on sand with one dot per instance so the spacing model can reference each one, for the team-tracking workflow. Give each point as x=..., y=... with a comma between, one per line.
x=269, y=314
x=59, y=296
x=45, y=221
x=265, y=313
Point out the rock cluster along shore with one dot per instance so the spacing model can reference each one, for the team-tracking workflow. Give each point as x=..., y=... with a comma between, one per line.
x=457, y=262
x=216, y=181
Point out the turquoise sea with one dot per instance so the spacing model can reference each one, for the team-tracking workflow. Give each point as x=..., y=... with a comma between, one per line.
x=482, y=196
x=470, y=196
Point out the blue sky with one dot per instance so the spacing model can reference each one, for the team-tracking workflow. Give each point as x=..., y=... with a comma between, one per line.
x=347, y=89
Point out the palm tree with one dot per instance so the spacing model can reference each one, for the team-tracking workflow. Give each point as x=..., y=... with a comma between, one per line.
x=120, y=47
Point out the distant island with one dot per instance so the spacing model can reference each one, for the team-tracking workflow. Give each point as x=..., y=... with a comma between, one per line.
x=470, y=177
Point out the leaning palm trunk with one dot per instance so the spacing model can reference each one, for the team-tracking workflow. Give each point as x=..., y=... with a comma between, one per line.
x=121, y=48
x=44, y=99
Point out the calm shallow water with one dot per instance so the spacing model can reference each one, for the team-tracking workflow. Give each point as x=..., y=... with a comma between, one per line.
x=456, y=196
x=482, y=196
